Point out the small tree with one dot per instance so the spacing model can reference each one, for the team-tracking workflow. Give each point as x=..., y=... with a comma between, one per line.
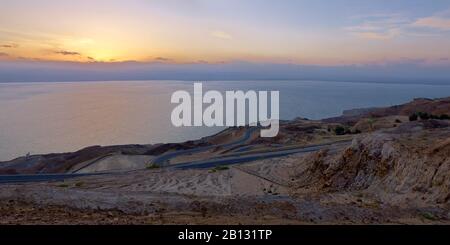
x=371, y=121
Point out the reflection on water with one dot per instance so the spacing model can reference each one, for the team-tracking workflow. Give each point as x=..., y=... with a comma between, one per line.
x=59, y=117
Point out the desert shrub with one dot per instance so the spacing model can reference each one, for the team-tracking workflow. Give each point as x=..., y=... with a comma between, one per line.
x=413, y=117
x=429, y=216
x=371, y=121
x=426, y=116
x=63, y=185
x=218, y=168
x=423, y=115
x=79, y=184
x=152, y=166
x=357, y=131
x=221, y=167
x=339, y=130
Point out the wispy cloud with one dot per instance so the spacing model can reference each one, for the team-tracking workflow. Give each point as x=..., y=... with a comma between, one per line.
x=378, y=26
x=389, y=26
x=75, y=55
x=3, y=54
x=386, y=35
x=64, y=52
x=162, y=59
x=221, y=35
x=9, y=45
x=440, y=21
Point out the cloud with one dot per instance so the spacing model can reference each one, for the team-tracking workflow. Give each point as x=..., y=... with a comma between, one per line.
x=64, y=52
x=8, y=45
x=438, y=21
x=3, y=54
x=379, y=35
x=221, y=35
x=162, y=59
x=390, y=26
x=434, y=22
x=75, y=55
x=379, y=26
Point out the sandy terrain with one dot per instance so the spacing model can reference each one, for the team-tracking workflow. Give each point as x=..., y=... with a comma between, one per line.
x=115, y=162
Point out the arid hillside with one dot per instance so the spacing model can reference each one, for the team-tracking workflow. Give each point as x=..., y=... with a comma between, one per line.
x=383, y=166
x=408, y=166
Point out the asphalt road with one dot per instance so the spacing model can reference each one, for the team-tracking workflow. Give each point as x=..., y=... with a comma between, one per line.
x=236, y=158
x=209, y=163
x=160, y=160
x=21, y=178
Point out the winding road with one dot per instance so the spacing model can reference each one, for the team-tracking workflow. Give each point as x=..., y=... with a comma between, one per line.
x=229, y=159
x=161, y=160
x=241, y=158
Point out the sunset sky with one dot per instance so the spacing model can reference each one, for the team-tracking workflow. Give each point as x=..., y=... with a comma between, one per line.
x=348, y=40
x=188, y=31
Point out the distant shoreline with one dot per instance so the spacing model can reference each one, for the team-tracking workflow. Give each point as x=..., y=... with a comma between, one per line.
x=394, y=82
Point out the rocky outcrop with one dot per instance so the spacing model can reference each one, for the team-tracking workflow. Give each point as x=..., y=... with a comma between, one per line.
x=409, y=164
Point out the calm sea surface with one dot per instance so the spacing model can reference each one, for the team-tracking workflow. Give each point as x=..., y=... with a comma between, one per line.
x=60, y=117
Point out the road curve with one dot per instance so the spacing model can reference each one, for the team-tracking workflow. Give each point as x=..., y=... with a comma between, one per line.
x=236, y=159
x=23, y=178
x=231, y=159
x=160, y=160
x=209, y=163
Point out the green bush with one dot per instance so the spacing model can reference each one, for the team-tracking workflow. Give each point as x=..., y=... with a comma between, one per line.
x=429, y=216
x=63, y=185
x=434, y=116
x=219, y=168
x=413, y=117
x=423, y=115
x=152, y=166
x=79, y=184
x=339, y=130
x=426, y=116
x=357, y=131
